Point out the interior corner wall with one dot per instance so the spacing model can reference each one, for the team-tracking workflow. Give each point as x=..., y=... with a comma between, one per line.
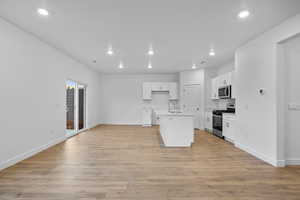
x=32, y=85
x=122, y=99
x=256, y=68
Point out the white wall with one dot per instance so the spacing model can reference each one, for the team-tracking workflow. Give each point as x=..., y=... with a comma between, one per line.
x=32, y=85
x=122, y=101
x=227, y=67
x=256, y=65
x=292, y=97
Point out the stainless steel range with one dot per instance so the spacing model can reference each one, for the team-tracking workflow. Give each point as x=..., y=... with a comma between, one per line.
x=218, y=121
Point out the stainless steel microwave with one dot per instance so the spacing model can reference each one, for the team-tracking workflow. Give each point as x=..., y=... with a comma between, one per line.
x=225, y=92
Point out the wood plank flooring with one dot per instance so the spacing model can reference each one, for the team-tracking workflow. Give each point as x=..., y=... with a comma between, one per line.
x=128, y=163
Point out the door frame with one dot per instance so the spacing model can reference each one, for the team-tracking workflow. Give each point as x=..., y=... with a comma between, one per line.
x=76, y=99
x=282, y=104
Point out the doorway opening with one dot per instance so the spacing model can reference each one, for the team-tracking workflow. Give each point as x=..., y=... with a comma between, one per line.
x=75, y=107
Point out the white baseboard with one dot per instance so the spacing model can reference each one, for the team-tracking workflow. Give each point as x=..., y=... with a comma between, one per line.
x=292, y=162
x=281, y=163
x=34, y=151
x=258, y=155
x=30, y=153
x=123, y=124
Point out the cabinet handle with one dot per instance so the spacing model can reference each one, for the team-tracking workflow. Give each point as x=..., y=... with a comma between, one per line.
x=227, y=125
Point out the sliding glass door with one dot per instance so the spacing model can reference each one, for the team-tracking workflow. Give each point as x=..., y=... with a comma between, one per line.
x=81, y=107
x=75, y=107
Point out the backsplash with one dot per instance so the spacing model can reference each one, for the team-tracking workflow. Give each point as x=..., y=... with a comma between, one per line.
x=222, y=103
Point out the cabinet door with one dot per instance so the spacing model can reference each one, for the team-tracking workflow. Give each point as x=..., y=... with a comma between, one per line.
x=164, y=87
x=155, y=86
x=173, y=91
x=223, y=80
x=208, y=120
x=160, y=86
x=226, y=128
x=229, y=78
x=214, y=88
x=233, y=86
x=147, y=91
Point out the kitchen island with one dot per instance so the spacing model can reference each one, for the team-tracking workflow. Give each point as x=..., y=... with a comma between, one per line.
x=176, y=128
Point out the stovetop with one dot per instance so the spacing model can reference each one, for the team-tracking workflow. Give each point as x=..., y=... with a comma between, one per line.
x=219, y=112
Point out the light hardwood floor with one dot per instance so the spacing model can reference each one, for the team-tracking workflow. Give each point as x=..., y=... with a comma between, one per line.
x=128, y=163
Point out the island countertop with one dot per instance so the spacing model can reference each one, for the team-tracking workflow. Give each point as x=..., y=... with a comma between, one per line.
x=167, y=113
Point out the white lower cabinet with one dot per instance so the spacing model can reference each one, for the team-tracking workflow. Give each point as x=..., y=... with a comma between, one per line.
x=173, y=92
x=147, y=91
x=229, y=127
x=208, y=121
x=176, y=130
x=147, y=117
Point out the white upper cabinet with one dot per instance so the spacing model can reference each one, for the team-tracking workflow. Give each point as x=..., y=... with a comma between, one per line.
x=150, y=87
x=173, y=91
x=214, y=88
x=160, y=87
x=147, y=91
x=233, y=85
x=225, y=80
x=222, y=81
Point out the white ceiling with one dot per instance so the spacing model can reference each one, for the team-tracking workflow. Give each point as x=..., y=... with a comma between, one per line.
x=181, y=31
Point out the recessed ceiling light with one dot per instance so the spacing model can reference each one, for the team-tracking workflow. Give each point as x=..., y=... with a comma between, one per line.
x=150, y=51
x=194, y=66
x=212, y=53
x=244, y=14
x=43, y=12
x=121, y=65
x=149, y=65
x=110, y=51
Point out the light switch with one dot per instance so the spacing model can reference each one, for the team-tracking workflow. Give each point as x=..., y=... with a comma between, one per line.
x=294, y=106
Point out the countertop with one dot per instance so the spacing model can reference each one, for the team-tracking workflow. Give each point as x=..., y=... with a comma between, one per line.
x=166, y=113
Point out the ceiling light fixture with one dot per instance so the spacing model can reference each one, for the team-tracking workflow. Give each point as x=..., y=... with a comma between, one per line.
x=244, y=14
x=212, y=53
x=43, y=12
x=150, y=51
x=194, y=66
x=149, y=65
x=121, y=65
x=110, y=51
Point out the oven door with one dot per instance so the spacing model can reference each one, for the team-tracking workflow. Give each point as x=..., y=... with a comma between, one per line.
x=217, y=125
